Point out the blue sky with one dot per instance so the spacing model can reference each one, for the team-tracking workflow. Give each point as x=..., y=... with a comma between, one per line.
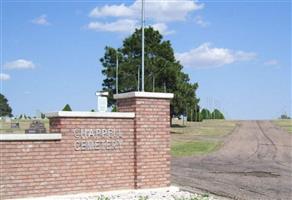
x=238, y=51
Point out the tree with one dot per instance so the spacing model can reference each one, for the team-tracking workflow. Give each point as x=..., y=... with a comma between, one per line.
x=194, y=114
x=163, y=73
x=5, y=109
x=284, y=116
x=216, y=114
x=43, y=116
x=67, y=108
x=114, y=108
x=205, y=113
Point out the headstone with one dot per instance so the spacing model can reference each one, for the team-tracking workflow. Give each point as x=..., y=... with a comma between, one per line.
x=36, y=127
x=101, y=101
x=14, y=125
x=7, y=119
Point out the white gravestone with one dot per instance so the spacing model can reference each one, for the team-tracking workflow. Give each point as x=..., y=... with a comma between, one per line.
x=101, y=101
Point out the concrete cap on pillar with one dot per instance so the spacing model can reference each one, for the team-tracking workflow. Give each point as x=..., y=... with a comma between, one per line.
x=155, y=95
x=101, y=101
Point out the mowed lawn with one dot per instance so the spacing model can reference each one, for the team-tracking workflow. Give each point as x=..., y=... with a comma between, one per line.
x=5, y=126
x=187, y=139
x=286, y=124
x=197, y=138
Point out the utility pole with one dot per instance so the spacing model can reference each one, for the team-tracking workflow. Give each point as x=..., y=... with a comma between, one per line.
x=143, y=20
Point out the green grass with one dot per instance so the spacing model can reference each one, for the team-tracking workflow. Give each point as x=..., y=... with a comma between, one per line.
x=5, y=127
x=197, y=138
x=207, y=127
x=193, y=148
x=286, y=124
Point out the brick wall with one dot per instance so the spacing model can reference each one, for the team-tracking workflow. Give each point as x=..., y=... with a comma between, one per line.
x=152, y=140
x=141, y=159
x=39, y=168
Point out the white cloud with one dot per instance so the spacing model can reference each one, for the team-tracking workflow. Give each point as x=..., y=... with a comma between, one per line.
x=159, y=10
x=123, y=25
x=41, y=20
x=206, y=56
x=271, y=62
x=126, y=26
x=19, y=64
x=201, y=22
x=113, y=11
x=4, y=77
x=162, y=28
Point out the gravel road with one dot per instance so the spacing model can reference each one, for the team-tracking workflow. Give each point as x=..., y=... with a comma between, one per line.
x=255, y=162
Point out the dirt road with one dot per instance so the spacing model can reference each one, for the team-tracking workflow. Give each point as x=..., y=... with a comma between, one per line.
x=254, y=163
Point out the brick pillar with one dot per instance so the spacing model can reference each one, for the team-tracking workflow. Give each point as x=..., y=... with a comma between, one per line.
x=152, y=136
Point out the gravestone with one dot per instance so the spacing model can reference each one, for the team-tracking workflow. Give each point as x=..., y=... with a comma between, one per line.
x=36, y=127
x=15, y=125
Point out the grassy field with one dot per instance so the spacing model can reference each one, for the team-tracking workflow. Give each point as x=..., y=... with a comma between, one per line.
x=5, y=127
x=196, y=138
x=187, y=139
x=286, y=124
x=192, y=148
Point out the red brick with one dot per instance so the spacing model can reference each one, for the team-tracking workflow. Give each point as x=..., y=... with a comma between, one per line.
x=39, y=168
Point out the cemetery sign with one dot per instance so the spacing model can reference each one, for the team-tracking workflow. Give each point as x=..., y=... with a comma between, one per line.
x=97, y=139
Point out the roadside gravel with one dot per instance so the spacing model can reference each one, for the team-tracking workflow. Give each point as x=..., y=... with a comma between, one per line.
x=167, y=193
x=149, y=195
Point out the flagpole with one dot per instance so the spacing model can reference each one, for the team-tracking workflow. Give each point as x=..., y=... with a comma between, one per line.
x=117, y=73
x=143, y=19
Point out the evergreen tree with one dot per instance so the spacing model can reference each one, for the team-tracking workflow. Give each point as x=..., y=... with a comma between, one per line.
x=216, y=114
x=43, y=116
x=206, y=114
x=284, y=116
x=5, y=109
x=163, y=73
x=194, y=114
x=67, y=108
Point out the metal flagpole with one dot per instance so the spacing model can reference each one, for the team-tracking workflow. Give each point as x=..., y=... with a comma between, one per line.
x=117, y=74
x=138, y=85
x=143, y=45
